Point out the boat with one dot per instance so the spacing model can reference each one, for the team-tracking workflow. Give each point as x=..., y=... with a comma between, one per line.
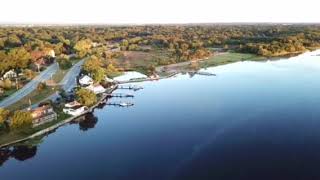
x=125, y=104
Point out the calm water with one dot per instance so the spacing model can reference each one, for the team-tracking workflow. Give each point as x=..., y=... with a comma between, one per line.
x=252, y=121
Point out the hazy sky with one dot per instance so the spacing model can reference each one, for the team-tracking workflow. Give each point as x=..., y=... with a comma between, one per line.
x=158, y=11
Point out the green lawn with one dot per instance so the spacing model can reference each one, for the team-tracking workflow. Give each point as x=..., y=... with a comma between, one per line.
x=6, y=137
x=35, y=97
x=229, y=57
x=7, y=93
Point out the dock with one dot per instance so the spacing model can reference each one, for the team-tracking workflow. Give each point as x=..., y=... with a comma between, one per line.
x=120, y=95
x=120, y=104
x=205, y=73
x=130, y=87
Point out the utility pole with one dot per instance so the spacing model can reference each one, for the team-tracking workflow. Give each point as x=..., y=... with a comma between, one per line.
x=17, y=85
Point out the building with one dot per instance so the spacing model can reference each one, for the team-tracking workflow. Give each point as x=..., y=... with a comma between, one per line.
x=85, y=80
x=10, y=74
x=97, y=89
x=43, y=115
x=72, y=104
x=76, y=110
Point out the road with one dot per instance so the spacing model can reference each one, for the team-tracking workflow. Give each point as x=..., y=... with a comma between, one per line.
x=29, y=87
x=69, y=81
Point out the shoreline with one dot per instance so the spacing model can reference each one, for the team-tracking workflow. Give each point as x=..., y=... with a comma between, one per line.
x=59, y=124
x=168, y=74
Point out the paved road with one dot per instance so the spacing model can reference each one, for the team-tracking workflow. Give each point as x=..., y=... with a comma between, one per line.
x=69, y=81
x=32, y=85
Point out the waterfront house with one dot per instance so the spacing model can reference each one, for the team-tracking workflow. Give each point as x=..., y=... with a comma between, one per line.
x=97, y=89
x=85, y=80
x=76, y=110
x=72, y=104
x=43, y=115
x=10, y=74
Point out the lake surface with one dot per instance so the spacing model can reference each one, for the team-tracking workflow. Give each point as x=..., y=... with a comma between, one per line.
x=254, y=120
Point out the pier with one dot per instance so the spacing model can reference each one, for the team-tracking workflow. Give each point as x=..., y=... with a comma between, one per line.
x=130, y=87
x=120, y=104
x=120, y=95
x=205, y=73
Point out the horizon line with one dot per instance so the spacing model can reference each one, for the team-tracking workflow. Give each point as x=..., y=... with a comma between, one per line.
x=146, y=24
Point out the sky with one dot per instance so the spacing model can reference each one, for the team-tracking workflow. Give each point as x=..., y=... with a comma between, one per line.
x=157, y=11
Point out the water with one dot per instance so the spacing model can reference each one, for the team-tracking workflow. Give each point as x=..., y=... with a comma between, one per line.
x=254, y=120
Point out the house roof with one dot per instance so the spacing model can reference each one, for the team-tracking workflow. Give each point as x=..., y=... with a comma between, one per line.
x=85, y=78
x=72, y=104
x=40, y=111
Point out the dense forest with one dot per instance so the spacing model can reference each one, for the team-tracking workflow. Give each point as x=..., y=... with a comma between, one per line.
x=20, y=46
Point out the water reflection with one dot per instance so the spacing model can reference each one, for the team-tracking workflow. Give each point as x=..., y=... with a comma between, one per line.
x=28, y=149
x=89, y=122
x=20, y=153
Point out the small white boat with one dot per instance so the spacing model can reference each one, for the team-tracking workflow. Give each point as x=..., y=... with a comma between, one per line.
x=124, y=104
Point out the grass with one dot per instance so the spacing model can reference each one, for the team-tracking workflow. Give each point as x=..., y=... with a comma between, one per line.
x=35, y=96
x=59, y=75
x=6, y=137
x=7, y=93
x=229, y=57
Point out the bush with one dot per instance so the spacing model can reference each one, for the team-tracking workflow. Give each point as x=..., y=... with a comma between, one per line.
x=41, y=86
x=65, y=63
x=21, y=119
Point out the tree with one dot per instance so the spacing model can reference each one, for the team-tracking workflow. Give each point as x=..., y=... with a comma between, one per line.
x=41, y=86
x=83, y=47
x=92, y=64
x=19, y=57
x=64, y=63
x=21, y=119
x=111, y=70
x=98, y=74
x=3, y=115
x=86, y=97
x=7, y=84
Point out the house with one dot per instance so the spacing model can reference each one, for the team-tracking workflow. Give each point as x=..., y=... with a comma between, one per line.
x=43, y=115
x=85, y=80
x=72, y=104
x=50, y=52
x=97, y=89
x=76, y=110
x=10, y=74
x=108, y=80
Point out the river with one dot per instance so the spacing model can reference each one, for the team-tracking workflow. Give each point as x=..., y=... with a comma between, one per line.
x=254, y=120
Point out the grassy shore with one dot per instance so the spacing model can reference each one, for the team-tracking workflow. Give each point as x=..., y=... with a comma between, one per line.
x=229, y=57
x=11, y=136
x=215, y=60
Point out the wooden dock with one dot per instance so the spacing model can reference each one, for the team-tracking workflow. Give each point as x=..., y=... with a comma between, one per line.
x=120, y=95
x=120, y=104
x=130, y=87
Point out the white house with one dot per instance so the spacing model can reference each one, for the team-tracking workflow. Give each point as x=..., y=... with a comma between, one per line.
x=72, y=104
x=75, y=111
x=97, y=89
x=10, y=74
x=85, y=80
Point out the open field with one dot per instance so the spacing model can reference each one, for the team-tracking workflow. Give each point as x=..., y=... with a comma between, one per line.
x=215, y=60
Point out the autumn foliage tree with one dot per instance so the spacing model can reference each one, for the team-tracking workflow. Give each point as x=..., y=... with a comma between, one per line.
x=3, y=115
x=21, y=119
x=86, y=97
